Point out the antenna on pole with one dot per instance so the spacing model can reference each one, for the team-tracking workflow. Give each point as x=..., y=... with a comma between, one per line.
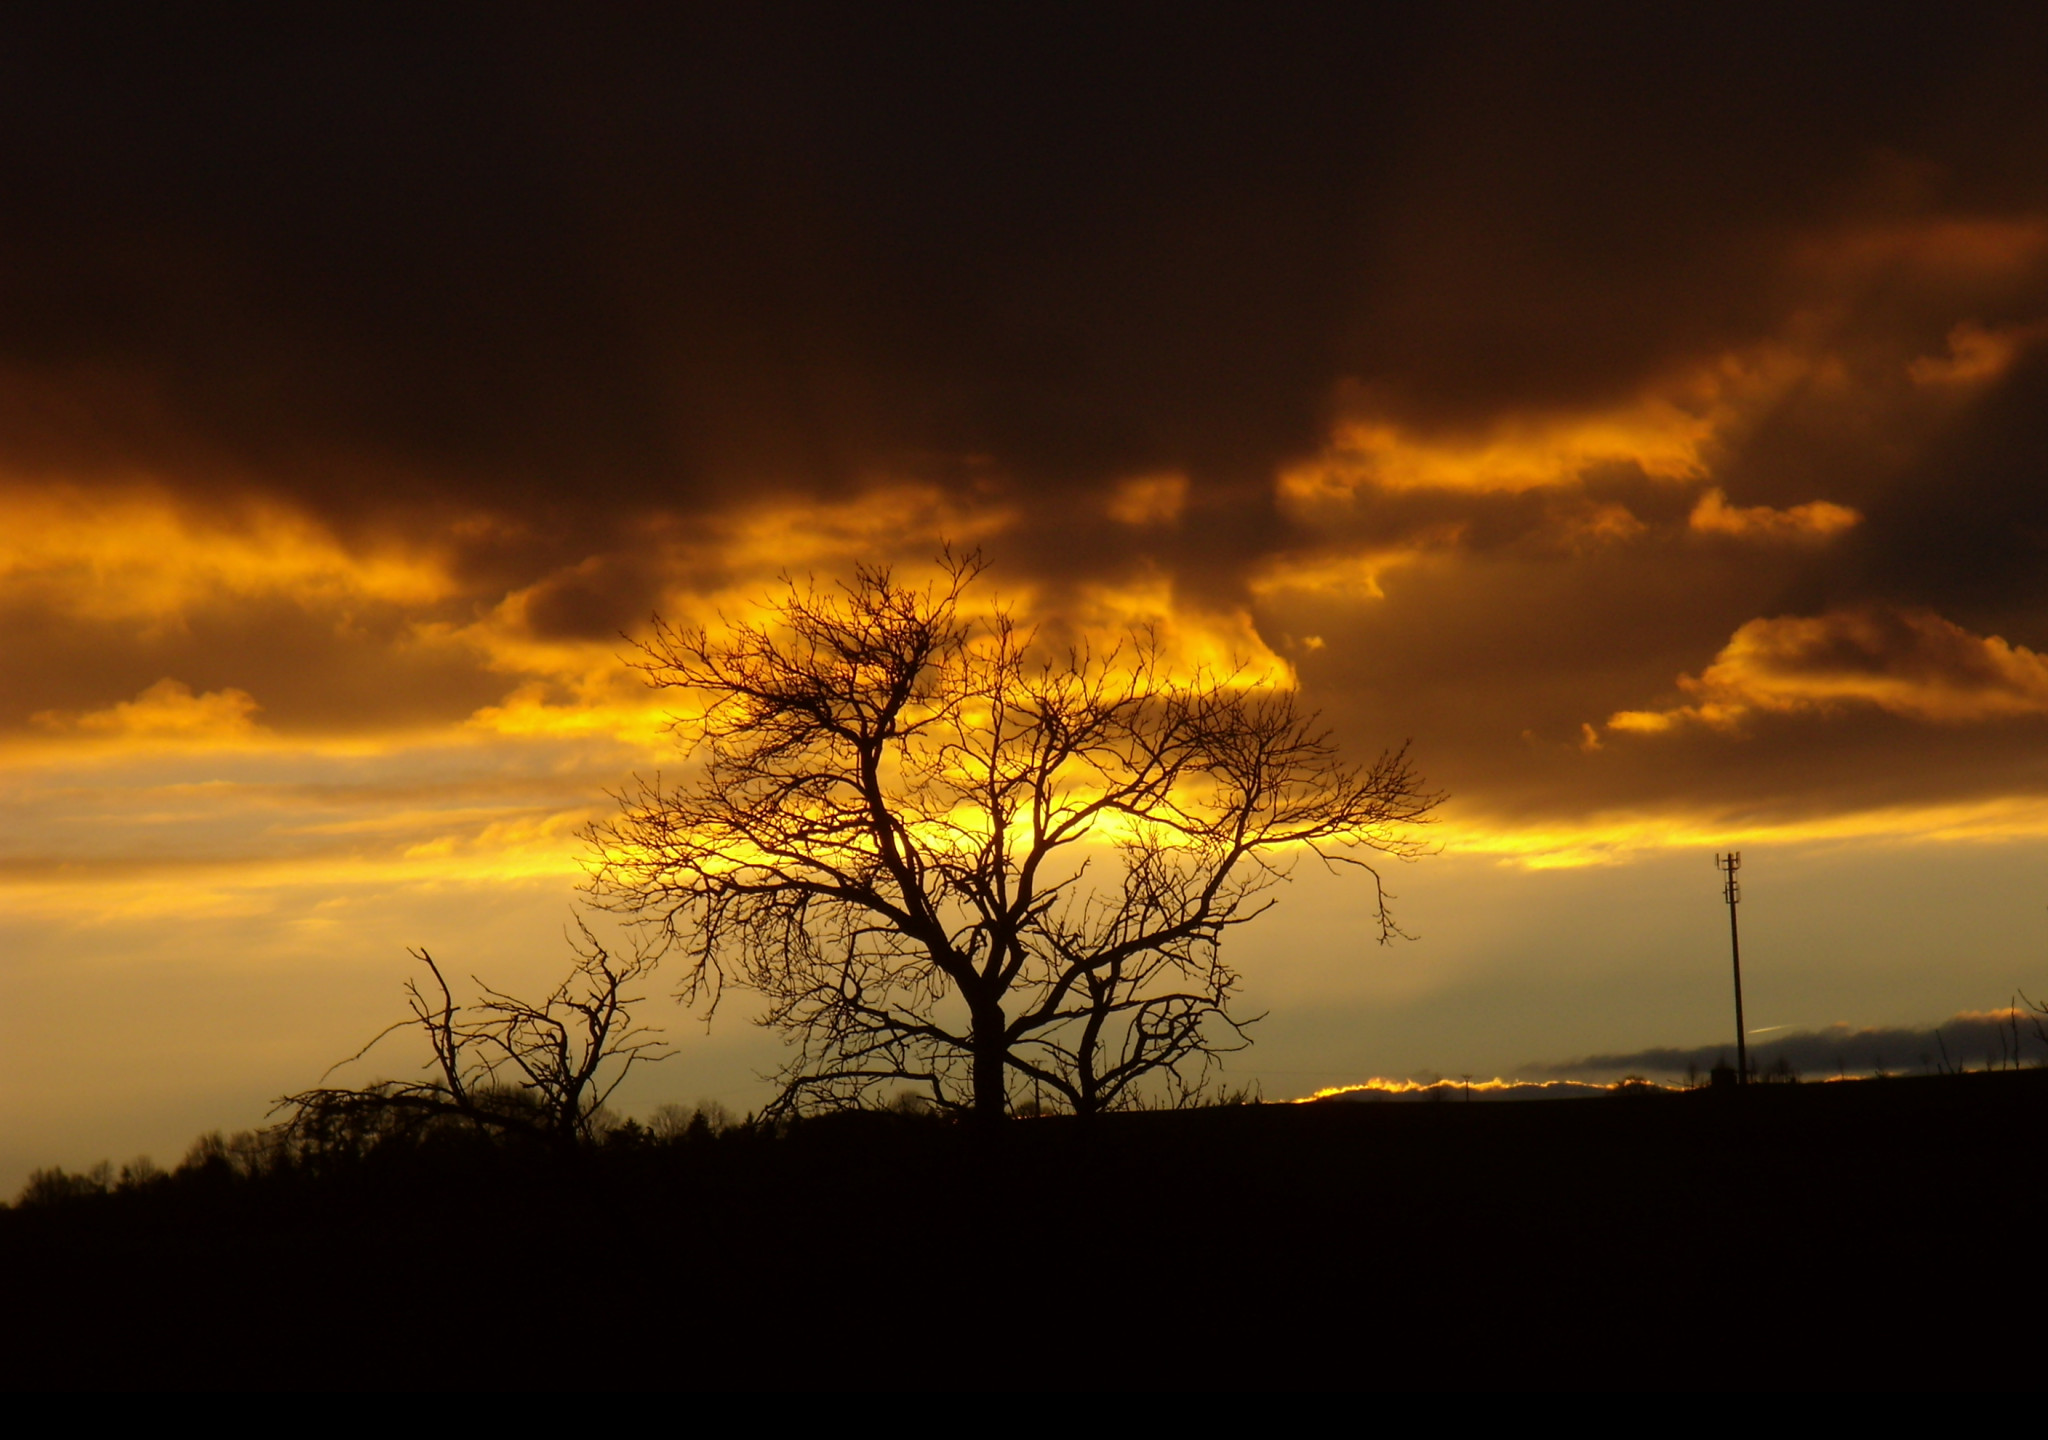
x=1732, y=891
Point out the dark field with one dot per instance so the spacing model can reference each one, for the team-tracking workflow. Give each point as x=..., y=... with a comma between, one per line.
x=1875, y=1234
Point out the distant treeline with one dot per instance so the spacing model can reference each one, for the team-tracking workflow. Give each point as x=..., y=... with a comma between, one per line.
x=2003, y=1039
x=373, y=1138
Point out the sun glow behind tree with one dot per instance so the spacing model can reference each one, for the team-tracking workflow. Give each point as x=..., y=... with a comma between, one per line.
x=897, y=810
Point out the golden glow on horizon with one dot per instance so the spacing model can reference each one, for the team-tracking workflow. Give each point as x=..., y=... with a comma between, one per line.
x=1614, y=839
x=162, y=837
x=1452, y=1089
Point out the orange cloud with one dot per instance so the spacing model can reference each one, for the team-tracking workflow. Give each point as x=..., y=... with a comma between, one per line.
x=166, y=710
x=1669, y=430
x=1910, y=663
x=1618, y=837
x=1521, y=453
x=1149, y=500
x=1946, y=248
x=136, y=554
x=1340, y=574
x=1595, y=526
x=1222, y=642
x=1975, y=355
x=1813, y=521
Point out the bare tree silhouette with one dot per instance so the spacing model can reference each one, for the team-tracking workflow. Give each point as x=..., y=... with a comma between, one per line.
x=950, y=856
x=503, y=1064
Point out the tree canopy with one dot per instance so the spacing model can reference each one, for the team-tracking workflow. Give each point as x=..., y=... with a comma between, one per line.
x=953, y=858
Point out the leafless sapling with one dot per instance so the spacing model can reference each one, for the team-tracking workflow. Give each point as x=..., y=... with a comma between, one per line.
x=504, y=1065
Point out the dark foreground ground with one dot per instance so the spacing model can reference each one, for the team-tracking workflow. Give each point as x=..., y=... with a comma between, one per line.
x=1883, y=1234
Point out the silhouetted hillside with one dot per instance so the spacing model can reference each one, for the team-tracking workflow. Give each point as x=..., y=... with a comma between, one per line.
x=1863, y=1233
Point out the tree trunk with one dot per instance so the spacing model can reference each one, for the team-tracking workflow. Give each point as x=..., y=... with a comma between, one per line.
x=991, y=1051
x=1101, y=990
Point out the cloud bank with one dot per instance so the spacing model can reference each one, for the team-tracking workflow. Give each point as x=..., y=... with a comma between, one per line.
x=1652, y=454
x=1972, y=1040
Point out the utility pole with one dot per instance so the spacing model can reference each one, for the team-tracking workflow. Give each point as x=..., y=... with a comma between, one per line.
x=1729, y=864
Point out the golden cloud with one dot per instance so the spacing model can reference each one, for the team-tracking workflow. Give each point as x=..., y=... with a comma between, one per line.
x=716, y=569
x=1910, y=663
x=897, y=521
x=1591, y=527
x=1676, y=424
x=1620, y=837
x=137, y=554
x=1191, y=638
x=166, y=710
x=1336, y=574
x=1669, y=430
x=1816, y=520
x=1520, y=453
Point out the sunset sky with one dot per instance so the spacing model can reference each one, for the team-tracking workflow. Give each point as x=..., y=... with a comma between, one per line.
x=1642, y=410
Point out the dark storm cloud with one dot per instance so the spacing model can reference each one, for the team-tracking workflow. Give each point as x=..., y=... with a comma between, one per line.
x=1967, y=529
x=596, y=599
x=1972, y=1040
x=543, y=290
x=522, y=253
